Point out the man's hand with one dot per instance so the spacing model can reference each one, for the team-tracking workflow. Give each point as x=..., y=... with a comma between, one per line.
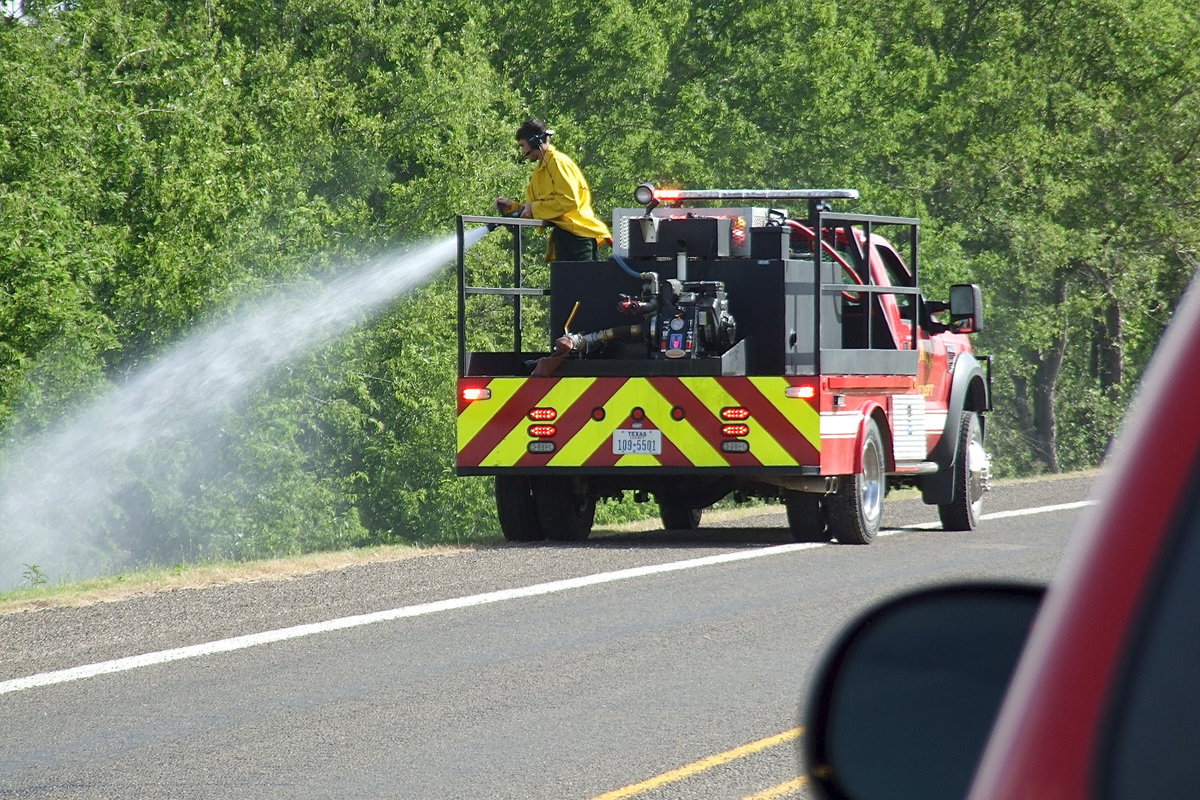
x=503, y=204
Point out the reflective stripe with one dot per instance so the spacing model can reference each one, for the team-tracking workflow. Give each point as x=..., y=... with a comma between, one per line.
x=562, y=395
x=840, y=424
x=784, y=432
x=479, y=413
x=802, y=417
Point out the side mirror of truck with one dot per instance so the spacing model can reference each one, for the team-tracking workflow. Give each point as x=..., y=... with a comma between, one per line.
x=905, y=700
x=966, y=308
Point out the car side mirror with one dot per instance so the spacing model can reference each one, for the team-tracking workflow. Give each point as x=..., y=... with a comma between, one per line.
x=905, y=700
x=966, y=308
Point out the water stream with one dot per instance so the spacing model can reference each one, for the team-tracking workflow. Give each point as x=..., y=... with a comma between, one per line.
x=52, y=488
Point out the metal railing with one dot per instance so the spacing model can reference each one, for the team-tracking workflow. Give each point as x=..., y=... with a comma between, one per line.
x=516, y=291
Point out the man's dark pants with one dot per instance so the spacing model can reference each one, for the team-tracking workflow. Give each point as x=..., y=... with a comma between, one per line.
x=569, y=247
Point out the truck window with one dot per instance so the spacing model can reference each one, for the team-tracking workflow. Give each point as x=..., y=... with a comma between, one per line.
x=898, y=274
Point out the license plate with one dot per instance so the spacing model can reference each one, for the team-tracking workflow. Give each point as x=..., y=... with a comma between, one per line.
x=625, y=442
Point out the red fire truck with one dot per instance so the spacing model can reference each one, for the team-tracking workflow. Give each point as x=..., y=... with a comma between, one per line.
x=730, y=350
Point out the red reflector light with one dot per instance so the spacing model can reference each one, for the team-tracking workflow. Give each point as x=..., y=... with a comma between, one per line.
x=735, y=430
x=598, y=413
x=476, y=393
x=735, y=413
x=677, y=413
x=542, y=414
x=638, y=414
x=542, y=431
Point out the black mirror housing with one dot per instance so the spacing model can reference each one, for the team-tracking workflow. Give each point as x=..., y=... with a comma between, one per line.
x=904, y=702
x=966, y=308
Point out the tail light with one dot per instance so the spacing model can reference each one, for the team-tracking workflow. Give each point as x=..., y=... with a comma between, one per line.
x=801, y=392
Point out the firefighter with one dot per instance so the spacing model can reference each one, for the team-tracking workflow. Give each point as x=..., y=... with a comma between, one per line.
x=559, y=193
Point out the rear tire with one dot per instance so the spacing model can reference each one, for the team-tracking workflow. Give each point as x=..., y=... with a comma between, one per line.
x=855, y=510
x=516, y=509
x=805, y=516
x=971, y=472
x=678, y=516
x=565, y=509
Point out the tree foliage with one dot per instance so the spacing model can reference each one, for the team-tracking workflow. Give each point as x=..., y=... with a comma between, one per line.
x=163, y=164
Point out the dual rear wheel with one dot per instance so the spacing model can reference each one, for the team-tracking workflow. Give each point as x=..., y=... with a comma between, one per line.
x=536, y=509
x=850, y=515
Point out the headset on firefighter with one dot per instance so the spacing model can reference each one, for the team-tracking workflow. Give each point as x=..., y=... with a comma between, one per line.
x=535, y=132
x=538, y=139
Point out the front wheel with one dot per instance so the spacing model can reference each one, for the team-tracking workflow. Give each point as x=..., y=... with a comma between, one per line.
x=855, y=510
x=805, y=516
x=971, y=472
x=677, y=516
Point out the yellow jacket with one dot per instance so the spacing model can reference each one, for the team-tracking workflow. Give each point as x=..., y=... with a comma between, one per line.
x=558, y=192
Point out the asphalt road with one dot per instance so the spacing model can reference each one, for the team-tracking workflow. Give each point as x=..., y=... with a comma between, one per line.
x=619, y=668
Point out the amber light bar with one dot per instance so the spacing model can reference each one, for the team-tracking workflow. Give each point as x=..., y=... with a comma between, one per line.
x=648, y=193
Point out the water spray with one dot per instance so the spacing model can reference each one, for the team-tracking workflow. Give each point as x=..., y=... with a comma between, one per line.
x=54, y=488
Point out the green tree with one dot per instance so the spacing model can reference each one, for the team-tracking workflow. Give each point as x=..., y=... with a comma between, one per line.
x=1063, y=146
x=165, y=165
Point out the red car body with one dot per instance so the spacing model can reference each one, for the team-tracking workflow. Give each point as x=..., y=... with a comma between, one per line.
x=1050, y=738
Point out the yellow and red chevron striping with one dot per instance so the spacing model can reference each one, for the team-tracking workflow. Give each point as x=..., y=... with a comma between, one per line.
x=784, y=431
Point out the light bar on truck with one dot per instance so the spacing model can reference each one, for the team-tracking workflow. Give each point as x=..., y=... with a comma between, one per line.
x=472, y=393
x=650, y=195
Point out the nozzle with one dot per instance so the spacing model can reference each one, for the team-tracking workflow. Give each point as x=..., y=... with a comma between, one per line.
x=491, y=226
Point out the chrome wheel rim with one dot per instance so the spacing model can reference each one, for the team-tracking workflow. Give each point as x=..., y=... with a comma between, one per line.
x=871, y=490
x=978, y=473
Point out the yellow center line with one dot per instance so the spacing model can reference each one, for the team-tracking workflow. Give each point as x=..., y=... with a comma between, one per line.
x=701, y=765
x=782, y=790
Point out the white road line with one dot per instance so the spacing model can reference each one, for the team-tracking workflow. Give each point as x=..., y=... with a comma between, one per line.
x=255, y=639
x=1019, y=512
x=298, y=631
